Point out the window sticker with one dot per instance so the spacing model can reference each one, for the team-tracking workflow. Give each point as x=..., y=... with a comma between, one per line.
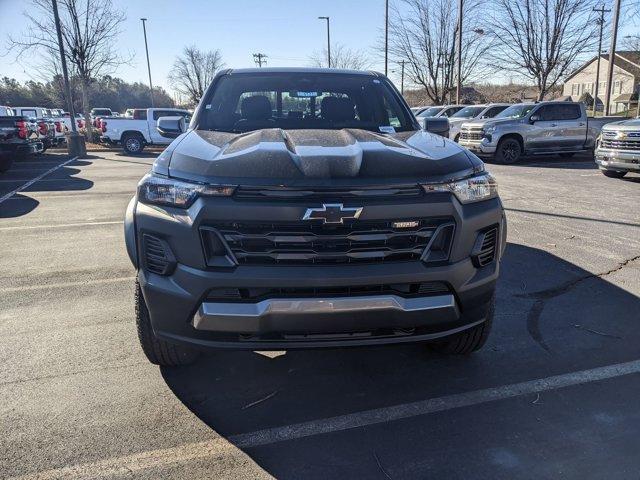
x=386, y=129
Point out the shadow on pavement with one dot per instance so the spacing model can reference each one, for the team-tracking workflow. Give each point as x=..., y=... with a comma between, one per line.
x=63, y=179
x=581, y=162
x=549, y=321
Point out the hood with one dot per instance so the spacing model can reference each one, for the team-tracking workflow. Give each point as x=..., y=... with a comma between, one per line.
x=314, y=157
x=486, y=122
x=623, y=125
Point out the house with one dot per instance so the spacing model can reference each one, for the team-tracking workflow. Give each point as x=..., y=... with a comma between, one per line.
x=626, y=81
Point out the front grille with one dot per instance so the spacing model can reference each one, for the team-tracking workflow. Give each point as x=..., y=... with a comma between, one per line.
x=354, y=242
x=287, y=193
x=620, y=144
x=470, y=135
x=406, y=290
x=486, y=247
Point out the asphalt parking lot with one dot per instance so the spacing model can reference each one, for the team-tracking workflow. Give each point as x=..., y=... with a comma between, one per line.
x=554, y=394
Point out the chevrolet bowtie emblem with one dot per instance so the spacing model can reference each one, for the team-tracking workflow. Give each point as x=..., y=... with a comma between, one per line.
x=332, y=213
x=622, y=135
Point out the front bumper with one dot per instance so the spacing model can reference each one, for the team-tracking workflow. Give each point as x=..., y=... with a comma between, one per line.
x=479, y=147
x=619, y=160
x=182, y=311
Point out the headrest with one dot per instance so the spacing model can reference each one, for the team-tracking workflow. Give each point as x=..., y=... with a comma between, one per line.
x=256, y=107
x=337, y=108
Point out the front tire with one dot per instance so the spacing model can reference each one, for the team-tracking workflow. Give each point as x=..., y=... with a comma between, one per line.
x=158, y=351
x=470, y=340
x=508, y=152
x=133, y=144
x=613, y=173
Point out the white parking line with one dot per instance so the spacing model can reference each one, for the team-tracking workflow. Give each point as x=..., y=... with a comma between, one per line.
x=213, y=448
x=34, y=180
x=61, y=225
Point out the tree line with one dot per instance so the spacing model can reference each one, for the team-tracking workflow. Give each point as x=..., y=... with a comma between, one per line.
x=107, y=91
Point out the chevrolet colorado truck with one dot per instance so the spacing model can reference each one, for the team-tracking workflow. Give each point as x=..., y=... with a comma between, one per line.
x=18, y=137
x=307, y=208
x=618, y=148
x=135, y=132
x=543, y=128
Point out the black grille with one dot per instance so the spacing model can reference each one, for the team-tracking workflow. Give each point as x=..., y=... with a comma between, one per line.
x=486, y=247
x=157, y=255
x=314, y=243
x=471, y=135
x=285, y=193
x=620, y=144
x=256, y=294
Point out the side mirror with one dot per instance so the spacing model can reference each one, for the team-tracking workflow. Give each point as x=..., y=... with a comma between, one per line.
x=171, y=127
x=534, y=118
x=437, y=125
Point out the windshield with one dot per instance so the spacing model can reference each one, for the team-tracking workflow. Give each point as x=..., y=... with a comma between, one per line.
x=430, y=112
x=253, y=101
x=468, y=112
x=515, y=111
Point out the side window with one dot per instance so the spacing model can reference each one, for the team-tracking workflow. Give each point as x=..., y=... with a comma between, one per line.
x=547, y=113
x=140, y=114
x=568, y=112
x=493, y=111
x=28, y=113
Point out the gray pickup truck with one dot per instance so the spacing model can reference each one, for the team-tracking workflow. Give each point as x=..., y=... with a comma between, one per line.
x=543, y=128
x=618, y=148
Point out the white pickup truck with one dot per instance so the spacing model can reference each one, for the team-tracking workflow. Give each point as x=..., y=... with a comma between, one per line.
x=134, y=133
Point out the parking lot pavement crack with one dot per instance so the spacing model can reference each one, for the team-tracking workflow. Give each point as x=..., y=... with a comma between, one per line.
x=541, y=297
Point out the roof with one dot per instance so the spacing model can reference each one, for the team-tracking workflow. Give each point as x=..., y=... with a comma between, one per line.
x=627, y=60
x=302, y=70
x=626, y=98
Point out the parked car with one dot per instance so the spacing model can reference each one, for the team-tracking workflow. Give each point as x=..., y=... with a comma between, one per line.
x=469, y=113
x=417, y=110
x=51, y=131
x=544, y=128
x=101, y=112
x=440, y=111
x=618, y=148
x=18, y=137
x=138, y=131
x=335, y=221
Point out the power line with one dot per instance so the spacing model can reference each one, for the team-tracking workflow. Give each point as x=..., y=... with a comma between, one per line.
x=600, y=21
x=259, y=58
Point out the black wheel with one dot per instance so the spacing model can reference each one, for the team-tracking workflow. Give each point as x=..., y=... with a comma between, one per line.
x=467, y=341
x=508, y=152
x=613, y=173
x=133, y=143
x=157, y=350
x=567, y=154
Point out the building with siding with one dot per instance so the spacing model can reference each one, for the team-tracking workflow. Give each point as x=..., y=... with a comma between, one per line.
x=626, y=81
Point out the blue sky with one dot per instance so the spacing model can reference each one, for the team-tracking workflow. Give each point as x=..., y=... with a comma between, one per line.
x=288, y=31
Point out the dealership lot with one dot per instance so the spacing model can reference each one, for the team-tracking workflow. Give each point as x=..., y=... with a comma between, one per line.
x=553, y=395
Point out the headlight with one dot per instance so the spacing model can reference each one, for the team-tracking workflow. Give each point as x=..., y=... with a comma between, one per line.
x=489, y=130
x=469, y=190
x=159, y=190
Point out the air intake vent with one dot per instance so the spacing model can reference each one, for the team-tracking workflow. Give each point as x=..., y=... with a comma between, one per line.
x=484, y=251
x=157, y=255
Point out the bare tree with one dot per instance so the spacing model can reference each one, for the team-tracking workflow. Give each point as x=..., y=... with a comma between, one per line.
x=89, y=30
x=631, y=42
x=423, y=32
x=341, y=57
x=193, y=71
x=543, y=40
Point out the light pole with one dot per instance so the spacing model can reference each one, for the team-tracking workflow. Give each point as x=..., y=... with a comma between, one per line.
x=75, y=142
x=146, y=47
x=602, y=11
x=386, y=36
x=612, y=56
x=459, y=48
x=328, y=40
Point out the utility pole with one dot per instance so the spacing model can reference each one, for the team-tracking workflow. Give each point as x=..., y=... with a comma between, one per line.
x=459, y=48
x=386, y=37
x=402, y=62
x=146, y=47
x=328, y=40
x=75, y=143
x=602, y=11
x=259, y=58
x=612, y=56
